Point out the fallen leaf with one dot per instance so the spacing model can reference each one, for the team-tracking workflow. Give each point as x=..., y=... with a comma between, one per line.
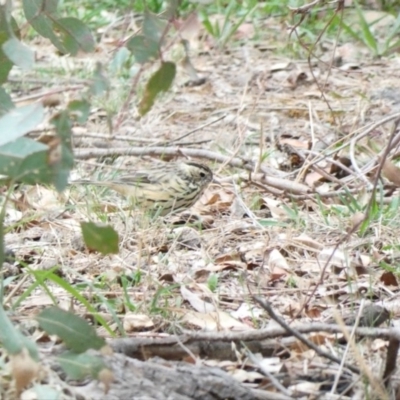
x=389, y=279
x=196, y=301
x=215, y=321
x=24, y=369
x=391, y=172
x=137, y=322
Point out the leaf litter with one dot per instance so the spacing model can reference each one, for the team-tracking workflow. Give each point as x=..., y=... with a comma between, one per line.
x=279, y=246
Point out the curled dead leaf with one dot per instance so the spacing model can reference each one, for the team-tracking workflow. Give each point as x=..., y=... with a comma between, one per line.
x=391, y=172
x=278, y=267
x=276, y=260
x=196, y=301
x=356, y=220
x=136, y=322
x=106, y=377
x=24, y=369
x=52, y=100
x=296, y=78
x=389, y=279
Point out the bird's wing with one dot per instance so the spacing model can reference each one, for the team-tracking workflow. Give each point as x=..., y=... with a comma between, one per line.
x=137, y=177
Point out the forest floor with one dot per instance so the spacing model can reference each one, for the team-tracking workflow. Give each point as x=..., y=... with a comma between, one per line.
x=297, y=216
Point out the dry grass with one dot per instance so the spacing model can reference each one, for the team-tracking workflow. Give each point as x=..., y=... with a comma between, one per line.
x=243, y=240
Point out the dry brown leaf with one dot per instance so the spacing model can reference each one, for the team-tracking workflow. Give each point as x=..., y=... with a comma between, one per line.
x=246, y=376
x=338, y=259
x=106, y=376
x=307, y=242
x=276, y=260
x=218, y=320
x=137, y=322
x=295, y=143
x=355, y=221
x=274, y=207
x=364, y=259
x=40, y=198
x=24, y=369
x=281, y=66
x=52, y=100
x=313, y=312
x=246, y=311
x=312, y=178
x=224, y=258
x=389, y=279
x=219, y=201
x=391, y=172
x=196, y=301
x=296, y=78
x=305, y=387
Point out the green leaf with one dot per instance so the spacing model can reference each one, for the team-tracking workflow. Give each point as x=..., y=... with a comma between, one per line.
x=79, y=366
x=119, y=61
x=6, y=103
x=25, y=160
x=142, y=48
x=153, y=27
x=368, y=37
x=18, y=53
x=394, y=31
x=75, y=35
x=19, y=121
x=46, y=392
x=41, y=14
x=41, y=278
x=8, y=26
x=13, y=340
x=102, y=238
x=75, y=332
x=160, y=82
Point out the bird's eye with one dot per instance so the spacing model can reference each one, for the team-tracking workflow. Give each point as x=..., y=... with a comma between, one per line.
x=202, y=174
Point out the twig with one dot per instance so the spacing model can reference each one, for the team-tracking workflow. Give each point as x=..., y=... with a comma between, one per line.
x=40, y=95
x=362, y=133
x=195, y=130
x=277, y=385
x=304, y=9
x=366, y=370
x=246, y=209
x=328, y=159
x=170, y=151
x=122, y=138
x=347, y=236
x=346, y=350
x=127, y=138
x=270, y=333
x=267, y=307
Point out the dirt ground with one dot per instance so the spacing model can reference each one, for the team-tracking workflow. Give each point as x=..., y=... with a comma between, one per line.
x=281, y=222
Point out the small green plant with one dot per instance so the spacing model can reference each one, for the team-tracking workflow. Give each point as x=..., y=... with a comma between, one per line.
x=212, y=282
x=126, y=283
x=291, y=282
x=162, y=294
x=366, y=35
x=232, y=17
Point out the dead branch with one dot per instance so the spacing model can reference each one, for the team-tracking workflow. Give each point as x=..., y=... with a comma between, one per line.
x=237, y=162
x=268, y=308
